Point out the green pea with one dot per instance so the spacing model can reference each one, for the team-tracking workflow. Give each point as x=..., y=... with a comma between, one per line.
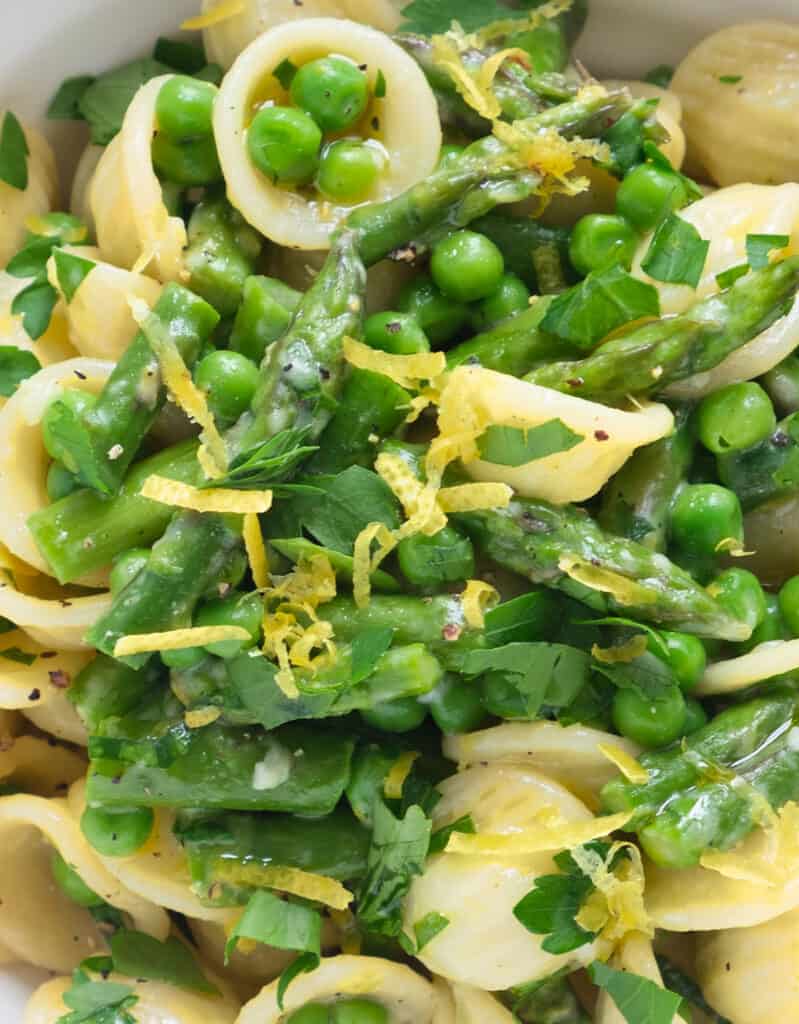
x=467, y=266
x=190, y=163
x=229, y=381
x=739, y=592
x=333, y=90
x=74, y=401
x=772, y=627
x=115, y=832
x=430, y=562
x=398, y=333
x=312, y=1013
x=284, y=143
x=126, y=566
x=237, y=609
x=702, y=516
x=647, y=193
x=185, y=108
x=695, y=716
x=652, y=723
x=72, y=885
x=602, y=240
x=735, y=417
x=501, y=698
x=348, y=171
x=456, y=706
x=511, y=297
x=60, y=482
x=448, y=154
x=686, y=657
x=440, y=317
x=358, y=1011
x=401, y=715
x=789, y=604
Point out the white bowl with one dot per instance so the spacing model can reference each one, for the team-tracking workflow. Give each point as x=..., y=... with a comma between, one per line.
x=46, y=41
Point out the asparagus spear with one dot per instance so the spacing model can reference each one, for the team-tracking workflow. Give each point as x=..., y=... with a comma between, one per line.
x=104, y=441
x=532, y=538
x=221, y=254
x=485, y=175
x=769, y=469
x=635, y=503
x=184, y=565
x=643, y=360
x=705, y=793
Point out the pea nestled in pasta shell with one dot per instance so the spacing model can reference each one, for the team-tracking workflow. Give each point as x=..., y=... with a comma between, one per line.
x=406, y=995
x=751, y=975
x=133, y=226
x=737, y=89
x=40, y=195
x=500, y=952
x=410, y=131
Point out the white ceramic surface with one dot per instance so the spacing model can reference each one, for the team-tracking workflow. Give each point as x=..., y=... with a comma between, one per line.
x=45, y=41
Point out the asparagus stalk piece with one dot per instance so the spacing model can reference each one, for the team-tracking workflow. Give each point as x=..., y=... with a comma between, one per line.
x=643, y=360
x=83, y=532
x=485, y=175
x=534, y=538
x=221, y=254
x=705, y=793
x=185, y=564
x=104, y=441
x=769, y=469
x=635, y=503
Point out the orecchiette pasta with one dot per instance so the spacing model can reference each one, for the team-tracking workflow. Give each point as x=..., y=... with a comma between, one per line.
x=474, y=395
x=751, y=975
x=405, y=994
x=156, y=1003
x=410, y=132
x=569, y=754
x=501, y=953
x=736, y=88
x=17, y=205
x=134, y=228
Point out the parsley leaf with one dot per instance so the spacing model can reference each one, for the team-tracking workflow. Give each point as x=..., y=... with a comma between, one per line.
x=428, y=927
x=71, y=271
x=604, y=301
x=97, y=1002
x=510, y=446
x=639, y=1000
x=368, y=648
x=141, y=956
x=13, y=153
x=65, y=105
x=542, y=673
x=758, y=248
x=16, y=365
x=430, y=17
x=397, y=854
x=105, y=102
x=276, y=922
x=35, y=304
x=677, y=253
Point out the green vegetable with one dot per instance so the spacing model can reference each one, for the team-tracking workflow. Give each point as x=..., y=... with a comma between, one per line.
x=600, y=240
x=652, y=723
x=735, y=417
x=511, y=297
x=333, y=90
x=229, y=381
x=431, y=562
x=649, y=192
x=702, y=517
x=267, y=306
x=184, y=108
x=398, y=333
x=13, y=153
x=467, y=266
x=644, y=359
x=348, y=171
x=439, y=317
x=283, y=143
x=278, y=923
x=639, y=1000
x=606, y=300
x=115, y=831
x=141, y=956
